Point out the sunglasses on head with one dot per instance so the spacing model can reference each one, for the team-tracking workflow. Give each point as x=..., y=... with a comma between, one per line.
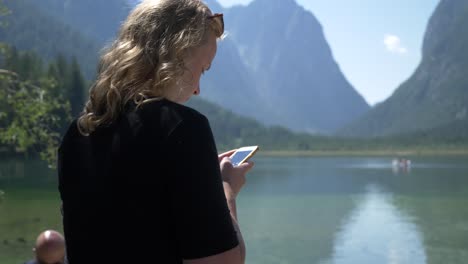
x=219, y=16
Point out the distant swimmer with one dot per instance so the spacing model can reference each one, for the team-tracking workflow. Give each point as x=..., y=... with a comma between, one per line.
x=401, y=164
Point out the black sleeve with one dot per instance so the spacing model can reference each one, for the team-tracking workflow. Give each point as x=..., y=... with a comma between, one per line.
x=202, y=218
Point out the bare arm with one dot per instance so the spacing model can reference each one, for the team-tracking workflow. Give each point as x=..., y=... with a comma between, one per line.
x=233, y=209
x=233, y=180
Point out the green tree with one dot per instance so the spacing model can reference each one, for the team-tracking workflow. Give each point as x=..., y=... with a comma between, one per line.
x=30, y=116
x=31, y=110
x=62, y=66
x=76, y=88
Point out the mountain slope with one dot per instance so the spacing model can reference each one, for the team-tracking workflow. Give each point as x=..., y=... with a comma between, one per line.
x=97, y=19
x=232, y=131
x=300, y=84
x=29, y=28
x=50, y=35
x=278, y=70
x=229, y=83
x=437, y=93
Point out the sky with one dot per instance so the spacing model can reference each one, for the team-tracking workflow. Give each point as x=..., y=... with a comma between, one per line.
x=376, y=43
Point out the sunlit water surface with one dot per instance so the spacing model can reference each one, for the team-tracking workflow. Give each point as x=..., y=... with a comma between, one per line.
x=298, y=210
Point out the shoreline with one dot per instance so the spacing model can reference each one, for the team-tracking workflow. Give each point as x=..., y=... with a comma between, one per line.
x=377, y=153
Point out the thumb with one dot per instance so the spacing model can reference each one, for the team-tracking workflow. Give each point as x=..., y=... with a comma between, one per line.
x=225, y=154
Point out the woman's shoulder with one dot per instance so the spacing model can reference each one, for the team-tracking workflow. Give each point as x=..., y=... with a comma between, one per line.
x=166, y=110
x=70, y=132
x=166, y=118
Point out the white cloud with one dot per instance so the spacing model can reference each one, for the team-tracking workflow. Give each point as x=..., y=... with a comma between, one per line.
x=229, y=3
x=393, y=44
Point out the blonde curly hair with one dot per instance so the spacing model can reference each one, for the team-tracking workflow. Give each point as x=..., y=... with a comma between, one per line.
x=147, y=57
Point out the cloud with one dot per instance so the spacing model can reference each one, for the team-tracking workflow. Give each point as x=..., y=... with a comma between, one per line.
x=393, y=44
x=229, y=3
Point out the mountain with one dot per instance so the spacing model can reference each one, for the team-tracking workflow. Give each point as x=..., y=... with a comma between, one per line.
x=229, y=83
x=231, y=130
x=278, y=70
x=292, y=69
x=29, y=28
x=96, y=19
x=33, y=28
x=436, y=95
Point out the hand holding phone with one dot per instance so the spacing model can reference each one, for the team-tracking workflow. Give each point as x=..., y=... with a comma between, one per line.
x=243, y=154
x=232, y=173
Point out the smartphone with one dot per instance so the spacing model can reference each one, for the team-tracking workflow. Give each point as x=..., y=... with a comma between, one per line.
x=243, y=154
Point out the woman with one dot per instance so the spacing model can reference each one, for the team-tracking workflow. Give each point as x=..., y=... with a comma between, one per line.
x=139, y=175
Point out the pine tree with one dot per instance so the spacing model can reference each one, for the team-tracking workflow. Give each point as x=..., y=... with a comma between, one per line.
x=76, y=88
x=29, y=66
x=11, y=59
x=62, y=67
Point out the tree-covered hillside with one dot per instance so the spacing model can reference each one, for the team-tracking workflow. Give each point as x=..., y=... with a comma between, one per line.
x=61, y=76
x=98, y=20
x=231, y=131
x=37, y=101
x=29, y=29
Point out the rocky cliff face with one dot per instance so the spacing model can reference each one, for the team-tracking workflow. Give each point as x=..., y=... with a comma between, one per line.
x=295, y=80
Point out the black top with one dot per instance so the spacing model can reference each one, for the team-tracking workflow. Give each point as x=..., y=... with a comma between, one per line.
x=146, y=187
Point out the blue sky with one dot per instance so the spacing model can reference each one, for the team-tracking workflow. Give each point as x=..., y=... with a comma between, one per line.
x=377, y=43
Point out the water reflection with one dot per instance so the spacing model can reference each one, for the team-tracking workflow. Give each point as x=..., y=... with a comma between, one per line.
x=12, y=168
x=296, y=210
x=34, y=173
x=377, y=232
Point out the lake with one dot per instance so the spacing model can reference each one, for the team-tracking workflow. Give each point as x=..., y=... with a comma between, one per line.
x=298, y=210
